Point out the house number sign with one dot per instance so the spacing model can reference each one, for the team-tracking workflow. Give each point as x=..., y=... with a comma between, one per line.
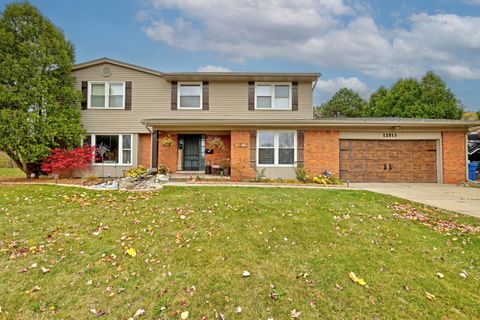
x=389, y=134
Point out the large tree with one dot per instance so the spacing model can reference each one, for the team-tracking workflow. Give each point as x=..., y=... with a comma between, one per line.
x=345, y=103
x=39, y=107
x=410, y=98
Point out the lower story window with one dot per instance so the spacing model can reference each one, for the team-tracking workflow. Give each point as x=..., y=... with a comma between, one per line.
x=276, y=148
x=114, y=149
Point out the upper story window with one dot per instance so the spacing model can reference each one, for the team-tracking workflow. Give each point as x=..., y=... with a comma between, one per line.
x=190, y=95
x=103, y=94
x=273, y=96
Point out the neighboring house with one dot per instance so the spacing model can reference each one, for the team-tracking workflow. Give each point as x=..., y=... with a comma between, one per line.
x=474, y=147
x=264, y=120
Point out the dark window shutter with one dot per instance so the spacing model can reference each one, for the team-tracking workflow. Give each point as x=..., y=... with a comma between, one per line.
x=251, y=95
x=253, y=148
x=300, y=146
x=128, y=95
x=174, y=95
x=84, y=94
x=294, y=96
x=205, y=95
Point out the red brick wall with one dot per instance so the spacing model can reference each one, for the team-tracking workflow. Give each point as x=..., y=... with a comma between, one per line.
x=144, y=149
x=240, y=156
x=218, y=155
x=453, y=157
x=168, y=155
x=322, y=151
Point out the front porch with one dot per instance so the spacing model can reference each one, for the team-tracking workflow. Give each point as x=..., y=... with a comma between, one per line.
x=193, y=154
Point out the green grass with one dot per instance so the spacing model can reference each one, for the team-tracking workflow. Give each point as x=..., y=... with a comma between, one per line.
x=194, y=243
x=11, y=173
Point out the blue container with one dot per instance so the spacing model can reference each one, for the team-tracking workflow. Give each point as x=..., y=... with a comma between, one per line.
x=472, y=171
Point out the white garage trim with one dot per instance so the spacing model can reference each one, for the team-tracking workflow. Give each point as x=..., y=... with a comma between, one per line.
x=389, y=135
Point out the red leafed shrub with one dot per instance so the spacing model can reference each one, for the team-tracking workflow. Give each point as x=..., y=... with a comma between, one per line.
x=66, y=162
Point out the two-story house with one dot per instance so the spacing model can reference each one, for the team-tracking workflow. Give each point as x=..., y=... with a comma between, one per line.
x=265, y=121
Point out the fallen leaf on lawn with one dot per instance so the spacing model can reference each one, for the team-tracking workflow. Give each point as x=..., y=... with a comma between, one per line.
x=295, y=314
x=338, y=287
x=34, y=265
x=238, y=309
x=440, y=275
x=131, y=252
x=357, y=280
x=184, y=315
x=246, y=274
x=23, y=270
x=45, y=270
x=34, y=289
x=463, y=274
x=140, y=312
x=430, y=296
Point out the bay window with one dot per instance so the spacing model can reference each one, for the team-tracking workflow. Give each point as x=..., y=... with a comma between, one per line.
x=276, y=148
x=104, y=94
x=273, y=96
x=111, y=149
x=190, y=96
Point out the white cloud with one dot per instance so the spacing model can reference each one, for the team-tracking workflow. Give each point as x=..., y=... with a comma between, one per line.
x=328, y=33
x=473, y=2
x=327, y=88
x=212, y=68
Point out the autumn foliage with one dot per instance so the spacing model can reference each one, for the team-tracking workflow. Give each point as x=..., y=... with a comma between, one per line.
x=65, y=162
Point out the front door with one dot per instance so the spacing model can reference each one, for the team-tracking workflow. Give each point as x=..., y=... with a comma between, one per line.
x=191, y=152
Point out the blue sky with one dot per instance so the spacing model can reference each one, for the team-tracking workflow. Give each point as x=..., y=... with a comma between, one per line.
x=360, y=44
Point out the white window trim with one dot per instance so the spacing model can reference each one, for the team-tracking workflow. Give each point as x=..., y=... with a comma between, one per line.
x=179, y=84
x=107, y=94
x=276, y=148
x=120, y=149
x=273, y=84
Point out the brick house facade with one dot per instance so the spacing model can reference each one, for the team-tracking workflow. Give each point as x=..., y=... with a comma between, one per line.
x=264, y=122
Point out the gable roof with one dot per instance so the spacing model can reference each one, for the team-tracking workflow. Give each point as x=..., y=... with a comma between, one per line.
x=203, y=76
x=98, y=61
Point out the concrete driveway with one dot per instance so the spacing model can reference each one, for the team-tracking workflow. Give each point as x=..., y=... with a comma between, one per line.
x=464, y=200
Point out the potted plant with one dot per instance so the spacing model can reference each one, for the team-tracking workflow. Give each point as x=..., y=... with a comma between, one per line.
x=225, y=167
x=167, y=141
x=208, y=168
x=163, y=173
x=215, y=143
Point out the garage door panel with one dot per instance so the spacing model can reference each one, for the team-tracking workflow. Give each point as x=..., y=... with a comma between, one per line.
x=388, y=161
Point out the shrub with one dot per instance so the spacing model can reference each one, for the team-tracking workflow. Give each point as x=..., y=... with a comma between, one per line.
x=92, y=179
x=301, y=173
x=67, y=162
x=260, y=175
x=136, y=172
x=325, y=179
x=163, y=169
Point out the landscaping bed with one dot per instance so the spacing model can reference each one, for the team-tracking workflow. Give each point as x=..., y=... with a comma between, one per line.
x=276, y=253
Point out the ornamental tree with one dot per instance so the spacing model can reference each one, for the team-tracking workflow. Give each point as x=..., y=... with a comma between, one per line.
x=39, y=107
x=345, y=103
x=67, y=162
x=409, y=98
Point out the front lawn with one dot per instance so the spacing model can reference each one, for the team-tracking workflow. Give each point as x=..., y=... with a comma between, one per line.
x=63, y=254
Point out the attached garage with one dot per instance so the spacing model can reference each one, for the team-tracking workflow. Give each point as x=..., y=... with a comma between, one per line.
x=389, y=157
x=388, y=161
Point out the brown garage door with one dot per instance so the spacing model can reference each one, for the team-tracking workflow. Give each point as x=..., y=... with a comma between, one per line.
x=388, y=161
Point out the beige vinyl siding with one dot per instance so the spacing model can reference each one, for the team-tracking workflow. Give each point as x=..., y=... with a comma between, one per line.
x=151, y=96
x=279, y=172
